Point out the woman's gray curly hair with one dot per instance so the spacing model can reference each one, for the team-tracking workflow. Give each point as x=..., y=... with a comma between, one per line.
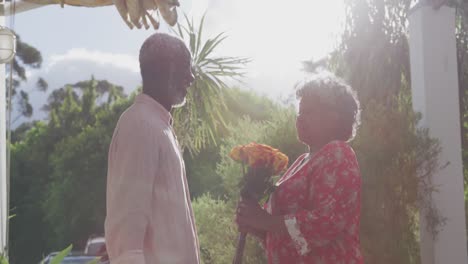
x=336, y=96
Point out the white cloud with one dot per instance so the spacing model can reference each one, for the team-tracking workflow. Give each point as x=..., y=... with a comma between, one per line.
x=122, y=61
x=80, y=64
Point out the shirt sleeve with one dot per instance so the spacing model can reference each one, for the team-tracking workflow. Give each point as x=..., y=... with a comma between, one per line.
x=336, y=203
x=132, y=167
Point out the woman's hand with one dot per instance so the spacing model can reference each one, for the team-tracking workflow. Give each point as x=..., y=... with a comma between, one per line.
x=251, y=215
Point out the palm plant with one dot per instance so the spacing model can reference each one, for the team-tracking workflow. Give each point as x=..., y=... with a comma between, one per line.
x=200, y=122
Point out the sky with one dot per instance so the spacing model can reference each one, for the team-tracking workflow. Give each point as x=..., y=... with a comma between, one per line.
x=78, y=42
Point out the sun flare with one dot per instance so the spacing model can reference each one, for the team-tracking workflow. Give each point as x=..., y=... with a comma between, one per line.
x=275, y=35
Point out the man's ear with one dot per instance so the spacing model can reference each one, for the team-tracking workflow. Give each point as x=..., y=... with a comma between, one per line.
x=171, y=74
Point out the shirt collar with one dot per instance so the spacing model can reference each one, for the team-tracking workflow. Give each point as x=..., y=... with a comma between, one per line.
x=155, y=106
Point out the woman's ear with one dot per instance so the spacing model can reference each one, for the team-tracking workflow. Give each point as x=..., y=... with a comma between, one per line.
x=333, y=123
x=333, y=116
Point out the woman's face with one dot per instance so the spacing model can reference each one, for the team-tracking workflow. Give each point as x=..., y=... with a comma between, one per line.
x=315, y=123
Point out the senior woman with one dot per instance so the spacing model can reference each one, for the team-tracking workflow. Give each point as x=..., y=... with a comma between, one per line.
x=313, y=215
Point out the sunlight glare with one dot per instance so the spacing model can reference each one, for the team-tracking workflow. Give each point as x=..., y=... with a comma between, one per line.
x=277, y=35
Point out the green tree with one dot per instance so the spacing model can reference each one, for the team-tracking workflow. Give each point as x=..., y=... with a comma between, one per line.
x=59, y=170
x=27, y=56
x=29, y=176
x=216, y=231
x=396, y=158
x=82, y=129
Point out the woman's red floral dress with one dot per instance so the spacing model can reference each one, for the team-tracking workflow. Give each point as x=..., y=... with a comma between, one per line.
x=320, y=200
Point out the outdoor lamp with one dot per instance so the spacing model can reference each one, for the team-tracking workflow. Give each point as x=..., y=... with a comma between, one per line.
x=7, y=45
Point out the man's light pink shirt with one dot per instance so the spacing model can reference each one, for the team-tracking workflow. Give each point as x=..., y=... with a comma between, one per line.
x=149, y=213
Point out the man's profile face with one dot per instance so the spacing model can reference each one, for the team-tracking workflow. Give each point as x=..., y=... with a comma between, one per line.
x=183, y=80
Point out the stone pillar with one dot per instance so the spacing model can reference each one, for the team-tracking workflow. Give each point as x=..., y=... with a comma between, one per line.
x=435, y=94
x=3, y=164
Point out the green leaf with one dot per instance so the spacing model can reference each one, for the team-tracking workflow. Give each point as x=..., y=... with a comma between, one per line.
x=179, y=28
x=199, y=37
x=192, y=41
x=3, y=260
x=210, y=45
x=60, y=256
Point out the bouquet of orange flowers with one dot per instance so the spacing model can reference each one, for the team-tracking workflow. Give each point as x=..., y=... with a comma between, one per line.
x=263, y=163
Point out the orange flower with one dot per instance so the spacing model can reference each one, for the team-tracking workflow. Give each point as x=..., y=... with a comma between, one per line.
x=260, y=155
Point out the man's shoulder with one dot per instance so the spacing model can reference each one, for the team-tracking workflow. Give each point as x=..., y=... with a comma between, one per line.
x=136, y=119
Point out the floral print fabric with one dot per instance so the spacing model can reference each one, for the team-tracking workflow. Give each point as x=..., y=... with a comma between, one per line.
x=320, y=200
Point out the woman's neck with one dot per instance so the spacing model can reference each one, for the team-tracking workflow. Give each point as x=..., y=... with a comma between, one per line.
x=314, y=148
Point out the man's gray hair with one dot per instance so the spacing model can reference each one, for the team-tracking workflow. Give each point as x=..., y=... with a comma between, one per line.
x=158, y=54
x=163, y=47
x=336, y=96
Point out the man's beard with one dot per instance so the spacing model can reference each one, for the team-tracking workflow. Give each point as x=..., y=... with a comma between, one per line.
x=179, y=98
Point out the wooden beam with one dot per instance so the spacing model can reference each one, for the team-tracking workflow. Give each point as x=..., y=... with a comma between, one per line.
x=85, y=3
